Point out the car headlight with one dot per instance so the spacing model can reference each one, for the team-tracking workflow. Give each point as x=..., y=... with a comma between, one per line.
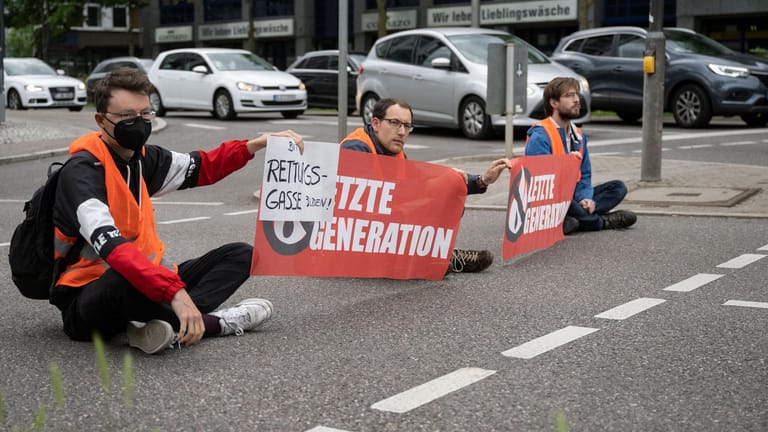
x=81, y=86
x=584, y=84
x=248, y=87
x=729, y=71
x=531, y=89
x=33, y=88
x=302, y=86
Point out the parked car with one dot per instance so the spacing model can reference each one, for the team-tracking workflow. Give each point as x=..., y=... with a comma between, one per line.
x=31, y=83
x=703, y=78
x=319, y=70
x=225, y=82
x=106, y=66
x=442, y=74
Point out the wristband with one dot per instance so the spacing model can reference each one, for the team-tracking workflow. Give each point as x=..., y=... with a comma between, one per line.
x=481, y=182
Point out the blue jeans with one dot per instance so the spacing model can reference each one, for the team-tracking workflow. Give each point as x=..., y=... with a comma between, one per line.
x=607, y=196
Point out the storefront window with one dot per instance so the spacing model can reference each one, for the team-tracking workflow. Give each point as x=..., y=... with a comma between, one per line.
x=176, y=12
x=373, y=4
x=635, y=12
x=222, y=10
x=265, y=8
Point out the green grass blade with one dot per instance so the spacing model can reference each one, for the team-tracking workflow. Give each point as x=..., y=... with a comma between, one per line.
x=128, y=379
x=101, y=362
x=561, y=423
x=58, y=385
x=40, y=418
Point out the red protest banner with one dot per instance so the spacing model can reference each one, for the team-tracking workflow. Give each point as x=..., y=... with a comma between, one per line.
x=540, y=192
x=392, y=218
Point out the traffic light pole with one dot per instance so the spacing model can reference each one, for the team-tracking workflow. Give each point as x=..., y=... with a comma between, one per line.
x=654, y=65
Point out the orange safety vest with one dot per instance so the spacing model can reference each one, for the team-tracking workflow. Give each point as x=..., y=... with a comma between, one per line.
x=136, y=223
x=360, y=134
x=550, y=127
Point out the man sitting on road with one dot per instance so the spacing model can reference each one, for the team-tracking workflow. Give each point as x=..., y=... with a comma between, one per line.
x=391, y=124
x=591, y=207
x=120, y=281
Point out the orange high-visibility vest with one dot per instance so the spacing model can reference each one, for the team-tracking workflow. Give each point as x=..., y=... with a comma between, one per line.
x=359, y=134
x=136, y=223
x=555, y=139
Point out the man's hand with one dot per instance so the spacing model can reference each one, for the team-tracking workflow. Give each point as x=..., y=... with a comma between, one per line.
x=588, y=205
x=494, y=171
x=462, y=173
x=191, y=326
x=259, y=143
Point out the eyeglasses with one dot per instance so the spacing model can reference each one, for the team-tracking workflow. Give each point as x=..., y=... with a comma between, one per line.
x=395, y=123
x=130, y=118
x=570, y=95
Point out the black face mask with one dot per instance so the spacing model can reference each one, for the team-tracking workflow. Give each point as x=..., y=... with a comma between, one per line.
x=131, y=134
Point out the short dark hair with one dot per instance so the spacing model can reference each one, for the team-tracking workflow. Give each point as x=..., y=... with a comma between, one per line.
x=129, y=79
x=381, y=107
x=556, y=89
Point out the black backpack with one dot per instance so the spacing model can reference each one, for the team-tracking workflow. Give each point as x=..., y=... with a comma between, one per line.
x=31, y=253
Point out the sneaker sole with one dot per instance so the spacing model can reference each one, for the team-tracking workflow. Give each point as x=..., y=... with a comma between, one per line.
x=260, y=302
x=152, y=337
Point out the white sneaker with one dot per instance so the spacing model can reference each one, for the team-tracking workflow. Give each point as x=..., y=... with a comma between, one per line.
x=151, y=337
x=246, y=315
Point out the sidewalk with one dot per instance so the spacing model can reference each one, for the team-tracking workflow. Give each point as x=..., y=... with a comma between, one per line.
x=686, y=187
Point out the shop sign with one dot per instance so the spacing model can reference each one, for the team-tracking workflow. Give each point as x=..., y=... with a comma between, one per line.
x=239, y=30
x=505, y=13
x=396, y=20
x=173, y=34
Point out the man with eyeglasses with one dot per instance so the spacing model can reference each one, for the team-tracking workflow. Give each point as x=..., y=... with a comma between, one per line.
x=591, y=207
x=391, y=124
x=119, y=280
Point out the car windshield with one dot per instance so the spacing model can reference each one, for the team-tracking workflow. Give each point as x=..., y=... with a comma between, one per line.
x=684, y=42
x=27, y=67
x=239, y=62
x=475, y=47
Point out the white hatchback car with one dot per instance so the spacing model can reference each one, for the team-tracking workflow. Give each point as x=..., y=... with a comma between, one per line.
x=32, y=83
x=223, y=81
x=442, y=73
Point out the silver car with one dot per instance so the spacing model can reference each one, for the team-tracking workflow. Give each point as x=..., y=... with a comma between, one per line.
x=442, y=73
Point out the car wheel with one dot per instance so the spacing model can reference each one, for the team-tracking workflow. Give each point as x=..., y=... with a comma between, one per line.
x=473, y=121
x=76, y=108
x=756, y=119
x=366, y=107
x=291, y=114
x=629, y=116
x=222, y=106
x=157, y=104
x=14, y=100
x=690, y=106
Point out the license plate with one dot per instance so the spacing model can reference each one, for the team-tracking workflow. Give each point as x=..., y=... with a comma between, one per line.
x=283, y=97
x=60, y=96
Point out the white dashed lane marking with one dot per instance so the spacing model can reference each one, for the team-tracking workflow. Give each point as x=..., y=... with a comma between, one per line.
x=193, y=219
x=429, y=391
x=237, y=213
x=693, y=282
x=764, y=248
x=548, y=342
x=325, y=429
x=628, y=309
x=741, y=261
x=752, y=304
x=738, y=143
x=204, y=126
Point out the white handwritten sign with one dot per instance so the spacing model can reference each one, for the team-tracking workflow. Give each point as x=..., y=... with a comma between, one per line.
x=298, y=187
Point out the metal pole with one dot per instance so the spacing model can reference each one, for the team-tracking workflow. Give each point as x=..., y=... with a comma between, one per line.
x=475, y=9
x=653, y=95
x=343, y=89
x=2, y=57
x=509, y=129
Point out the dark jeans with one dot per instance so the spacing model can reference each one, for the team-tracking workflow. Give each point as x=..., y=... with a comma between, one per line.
x=108, y=303
x=607, y=196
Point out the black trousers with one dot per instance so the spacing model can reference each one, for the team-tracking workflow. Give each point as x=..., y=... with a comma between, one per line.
x=106, y=305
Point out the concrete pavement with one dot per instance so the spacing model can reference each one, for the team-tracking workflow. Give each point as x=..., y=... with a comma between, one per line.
x=686, y=188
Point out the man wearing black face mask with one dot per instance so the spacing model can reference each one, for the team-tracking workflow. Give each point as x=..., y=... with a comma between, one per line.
x=120, y=281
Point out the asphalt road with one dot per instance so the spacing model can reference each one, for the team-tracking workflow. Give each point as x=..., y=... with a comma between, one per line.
x=614, y=331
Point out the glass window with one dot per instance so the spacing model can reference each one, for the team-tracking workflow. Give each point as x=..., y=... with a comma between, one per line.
x=222, y=10
x=598, y=45
x=429, y=49
x=93, y=16
x=630, y=46
x=119, y=17
x=265, y=8
x=475, y=47
x=400, y=49
x=176, y=12
x=317, y=62
x=176, y=61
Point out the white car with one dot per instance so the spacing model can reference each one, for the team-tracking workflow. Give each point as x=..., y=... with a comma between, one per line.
x=31, y=83
x=225, y=82
x=442, y=73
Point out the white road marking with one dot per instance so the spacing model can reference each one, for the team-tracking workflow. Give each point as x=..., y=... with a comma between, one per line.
x=429, y=391
x=606, y=153
x=13, y=200
x=325, y=429
x=761, y=305
x=204, y=126
x=695, y=146
x=672, y=137
x=237, y=213
x=693, y=282
x=350, y=122
x=738, y=143
x=763, y=248
x=741, y=261
x=548, y=342
x=193, y=219
x=416, y=147
x=5, y=244
x=628, y=309
x=190, y=203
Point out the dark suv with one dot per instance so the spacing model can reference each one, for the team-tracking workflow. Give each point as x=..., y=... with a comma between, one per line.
x=703, y=78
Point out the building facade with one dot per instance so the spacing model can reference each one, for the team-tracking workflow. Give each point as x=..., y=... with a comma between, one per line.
x=284, y=29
